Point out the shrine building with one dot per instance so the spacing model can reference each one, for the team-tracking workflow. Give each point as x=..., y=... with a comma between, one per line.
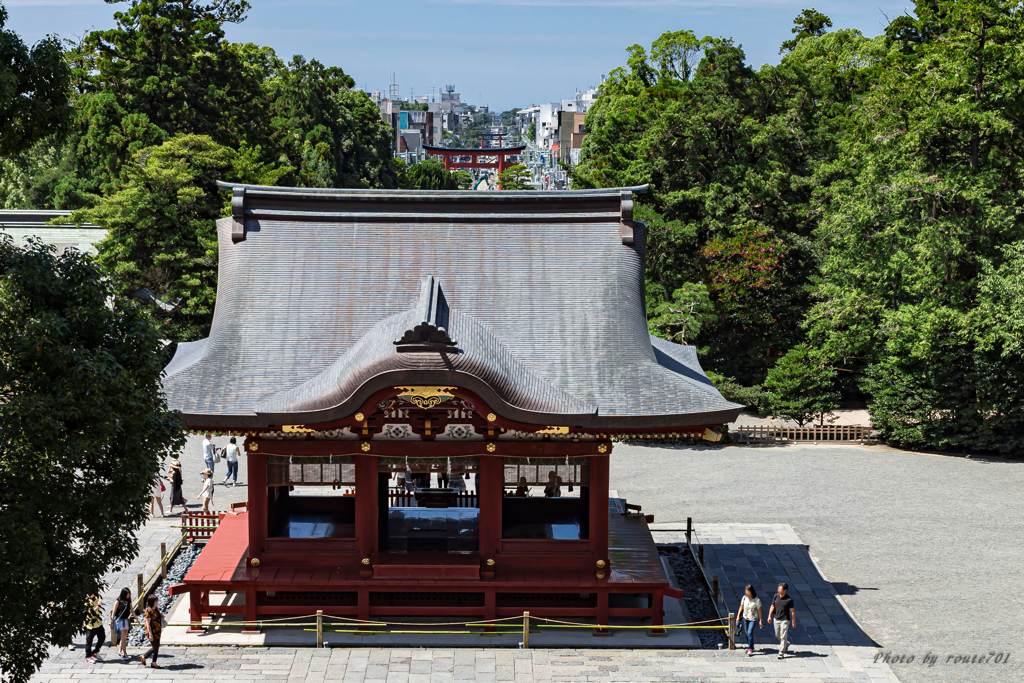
x=429, y=386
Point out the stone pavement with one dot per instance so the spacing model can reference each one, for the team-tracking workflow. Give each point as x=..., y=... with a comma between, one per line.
x=768, y=555
x=765, y=555
x=814, y=664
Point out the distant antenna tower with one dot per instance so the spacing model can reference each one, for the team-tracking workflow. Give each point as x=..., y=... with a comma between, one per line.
x=393, y=91
x=449, y=89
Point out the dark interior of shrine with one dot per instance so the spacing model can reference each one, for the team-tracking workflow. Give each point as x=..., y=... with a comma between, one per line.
x=294, y=515
x=534, y=517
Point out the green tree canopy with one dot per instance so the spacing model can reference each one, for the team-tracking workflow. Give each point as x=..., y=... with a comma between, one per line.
x=161, y=244
x=810, y=23
x=168, y=59
x=515, y=177
x=801, y=387
x=83, y=429
x=430, y=175
x=35, y=85
x=927, y=191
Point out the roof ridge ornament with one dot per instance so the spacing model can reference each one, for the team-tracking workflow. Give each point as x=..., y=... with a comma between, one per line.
x=430, y=334
x=237, y=213
x=626, y=216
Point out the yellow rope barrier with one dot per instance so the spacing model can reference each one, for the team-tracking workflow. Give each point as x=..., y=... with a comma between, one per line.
x=553, y=623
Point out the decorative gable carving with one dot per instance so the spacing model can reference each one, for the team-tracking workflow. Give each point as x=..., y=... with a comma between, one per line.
x=430, y=334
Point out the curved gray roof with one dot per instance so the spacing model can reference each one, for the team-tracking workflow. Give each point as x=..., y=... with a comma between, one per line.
x=546, y=319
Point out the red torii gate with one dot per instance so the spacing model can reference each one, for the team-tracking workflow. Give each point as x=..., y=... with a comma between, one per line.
x=474, y=153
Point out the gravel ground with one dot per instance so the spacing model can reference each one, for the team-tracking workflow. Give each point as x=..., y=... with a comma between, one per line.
x=175, y=575
x=924, y=549
x=695, y=593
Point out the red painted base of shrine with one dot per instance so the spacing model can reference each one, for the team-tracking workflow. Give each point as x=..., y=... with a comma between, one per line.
x=426, y=584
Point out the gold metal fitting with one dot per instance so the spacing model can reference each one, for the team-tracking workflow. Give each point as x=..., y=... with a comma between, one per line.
x=255, y=561
x=602, y=448
x=490, y=562
x=600, y=564
x=252, y=446
x=365, y=560
x=365, y=446
x=491, y=448
x=600, y=575
x=491, y=417
x=360, y=417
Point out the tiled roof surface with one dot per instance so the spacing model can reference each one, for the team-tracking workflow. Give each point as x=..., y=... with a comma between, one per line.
x=546, y=307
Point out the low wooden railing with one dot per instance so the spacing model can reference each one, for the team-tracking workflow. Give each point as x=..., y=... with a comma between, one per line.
x=829, y=433
x=400, y=498
x=199, y=526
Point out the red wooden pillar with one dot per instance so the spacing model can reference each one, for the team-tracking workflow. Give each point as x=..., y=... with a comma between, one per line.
x=490, y=608
x=602, y=609
x=599, y=506
x=447, y=161
x=367, y=517
x=492, y=486
x=256, y=464
x=366, y=505
x=658, y=608
x=250, y=606
x=195, y=610
x=363, y=607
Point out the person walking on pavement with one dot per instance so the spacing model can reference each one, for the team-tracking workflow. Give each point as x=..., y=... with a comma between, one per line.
x=154, y=624
x=785, y=617
x=209, y=451
x=231, y=456
x=121, y=621
x=94, y=630
x=206, y=495
x=174, y=477
x=749, y=612
x=157, y=495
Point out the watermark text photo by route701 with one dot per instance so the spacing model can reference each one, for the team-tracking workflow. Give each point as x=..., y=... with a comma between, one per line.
x=933, y=658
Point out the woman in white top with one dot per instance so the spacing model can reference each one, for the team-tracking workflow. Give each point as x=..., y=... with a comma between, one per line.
x=750, y=607
x=157, y=496
x=206, y=495
x=231, y=455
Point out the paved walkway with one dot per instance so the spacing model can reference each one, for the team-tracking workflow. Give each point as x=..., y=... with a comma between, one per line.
x=814, y=664
x=765, y=555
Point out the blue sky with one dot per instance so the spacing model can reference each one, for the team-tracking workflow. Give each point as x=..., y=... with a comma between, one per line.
x=502, y=53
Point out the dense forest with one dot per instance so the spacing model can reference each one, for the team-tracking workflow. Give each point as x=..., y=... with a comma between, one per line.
x=845, y=225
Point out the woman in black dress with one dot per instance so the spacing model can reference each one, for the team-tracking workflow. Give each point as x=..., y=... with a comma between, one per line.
x=174, y=476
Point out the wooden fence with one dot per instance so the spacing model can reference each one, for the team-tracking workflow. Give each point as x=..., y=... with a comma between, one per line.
x=829, y=433
x=199, y=526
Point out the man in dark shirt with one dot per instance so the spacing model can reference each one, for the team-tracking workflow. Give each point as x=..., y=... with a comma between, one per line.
x=785, y=617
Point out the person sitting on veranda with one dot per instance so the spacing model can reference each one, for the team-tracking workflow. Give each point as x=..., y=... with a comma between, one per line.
x=522, y=491
x=554, y=487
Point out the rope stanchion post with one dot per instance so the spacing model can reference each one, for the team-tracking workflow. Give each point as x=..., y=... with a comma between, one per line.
x=140, y=584
x=526, y=630
x=163, y=561
x=319, y=628
x=732, y=631
x=689, y=530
